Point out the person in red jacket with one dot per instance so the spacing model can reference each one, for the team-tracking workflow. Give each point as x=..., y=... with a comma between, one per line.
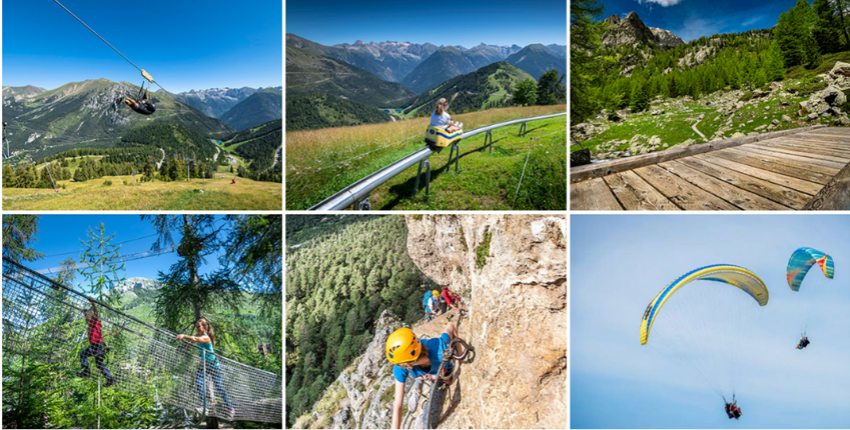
x=450, y=299
x=96, y=347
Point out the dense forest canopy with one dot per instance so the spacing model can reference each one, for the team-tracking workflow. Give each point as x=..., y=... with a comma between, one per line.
x=342, y=272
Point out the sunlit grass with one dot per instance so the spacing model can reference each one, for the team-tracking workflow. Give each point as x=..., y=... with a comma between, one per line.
x=321, y=162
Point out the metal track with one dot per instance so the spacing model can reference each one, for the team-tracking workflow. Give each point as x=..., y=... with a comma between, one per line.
x=360, y=190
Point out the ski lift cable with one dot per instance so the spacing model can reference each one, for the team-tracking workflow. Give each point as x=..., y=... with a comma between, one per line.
x=142, y=71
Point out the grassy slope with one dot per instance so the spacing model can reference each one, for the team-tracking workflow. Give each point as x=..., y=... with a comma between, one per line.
x=675, y=126
x=219, y=194
x=484, y=181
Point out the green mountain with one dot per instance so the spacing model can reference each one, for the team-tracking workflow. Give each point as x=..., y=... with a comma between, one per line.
x=87, y=115
x=262, y=106
x=484, y=88
x=175, y=140
x=308, y=73
x=261, y=145
x=323, y=110
x=536, y=59
x=444, y=65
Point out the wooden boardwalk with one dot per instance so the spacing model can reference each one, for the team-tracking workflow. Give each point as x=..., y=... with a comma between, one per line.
x=780, y=173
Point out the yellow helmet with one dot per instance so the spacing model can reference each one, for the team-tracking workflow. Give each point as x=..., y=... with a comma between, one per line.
x=403, y=346
x=435, y=293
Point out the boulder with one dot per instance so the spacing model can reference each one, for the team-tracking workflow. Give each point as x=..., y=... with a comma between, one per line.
x=813, y=117
x=840, y=69
x=786, y=118
x=775, y=122
x=738, y=134
x=833, y=96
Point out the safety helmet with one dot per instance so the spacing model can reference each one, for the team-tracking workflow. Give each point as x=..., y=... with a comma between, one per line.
x=403, y=346
x=435, y=293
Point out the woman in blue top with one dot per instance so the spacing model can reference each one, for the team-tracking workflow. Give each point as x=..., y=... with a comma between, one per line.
x=205, y=340
x=417, y=358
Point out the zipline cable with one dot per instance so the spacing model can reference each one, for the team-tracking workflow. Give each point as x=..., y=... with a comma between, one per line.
x=144, y=73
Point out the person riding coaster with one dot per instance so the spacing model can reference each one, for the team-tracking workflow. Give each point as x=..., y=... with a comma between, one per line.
x=804, y=342
x=442, y=131
x=142, y=106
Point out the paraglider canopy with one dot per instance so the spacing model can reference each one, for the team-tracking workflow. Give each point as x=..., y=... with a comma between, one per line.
x=802, y=260
x=735, y=276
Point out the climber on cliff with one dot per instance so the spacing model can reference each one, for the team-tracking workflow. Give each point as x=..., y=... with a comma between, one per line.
x=450, y=299
x=418, y=359
x=431, y=303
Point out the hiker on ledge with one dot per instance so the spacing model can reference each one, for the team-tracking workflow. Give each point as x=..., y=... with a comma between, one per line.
x=441, y=119
x=96, y=347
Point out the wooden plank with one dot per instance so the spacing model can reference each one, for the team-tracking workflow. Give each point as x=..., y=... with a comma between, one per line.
x=778, y=165
x=807, y=187
x=636, y=194
x=681, y=192
x=782, y=195
x=814, y=146
x=592, y=195
x=836, y=142
x=802, y=152
x=808, y=149
x=832, y=131
x=732, y=194
x=583, y=173
x=808, y=160
x=835, y=195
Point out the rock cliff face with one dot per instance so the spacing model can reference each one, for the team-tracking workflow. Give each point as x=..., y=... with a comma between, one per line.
x=512, y=270
x=631, y=30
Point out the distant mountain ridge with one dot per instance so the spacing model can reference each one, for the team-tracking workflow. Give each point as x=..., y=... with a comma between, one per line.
x=261, y=107
x=536, y=59
x=403, y=61
x=137, y=282
x=308, y=72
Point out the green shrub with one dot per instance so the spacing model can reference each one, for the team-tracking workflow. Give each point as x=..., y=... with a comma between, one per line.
x=107, y=183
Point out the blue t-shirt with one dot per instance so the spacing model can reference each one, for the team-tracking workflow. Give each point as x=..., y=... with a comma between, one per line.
x=209, y=355
x=435, y=354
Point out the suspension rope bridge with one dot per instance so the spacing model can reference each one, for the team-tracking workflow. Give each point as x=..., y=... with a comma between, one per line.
x=142, y=358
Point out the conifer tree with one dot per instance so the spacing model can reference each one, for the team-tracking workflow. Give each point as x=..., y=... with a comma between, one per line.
x=827, y=31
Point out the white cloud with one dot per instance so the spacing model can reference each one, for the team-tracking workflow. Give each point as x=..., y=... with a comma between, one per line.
x=662, y=3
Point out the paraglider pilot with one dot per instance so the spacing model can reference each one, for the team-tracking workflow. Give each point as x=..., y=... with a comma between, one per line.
x=804, y=342
x=732, y=410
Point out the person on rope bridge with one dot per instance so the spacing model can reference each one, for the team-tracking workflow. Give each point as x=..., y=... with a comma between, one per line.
x=804, y=342
x=419, y=359
x=450, y=299
x=430, y=302
x=205, y=340
x=142, y=106
x=732, y=409
x=441, y=119
x=96, y=348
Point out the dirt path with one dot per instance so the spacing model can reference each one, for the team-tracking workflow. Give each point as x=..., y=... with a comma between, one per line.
x=217, y=151
x=699, y=132
x=159, y=164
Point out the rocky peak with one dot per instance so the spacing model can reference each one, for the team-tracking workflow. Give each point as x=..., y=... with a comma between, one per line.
x=632, y=30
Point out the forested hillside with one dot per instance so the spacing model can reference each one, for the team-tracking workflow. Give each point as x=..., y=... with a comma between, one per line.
x=322, y=110
x=259, y=144
x=342, y=272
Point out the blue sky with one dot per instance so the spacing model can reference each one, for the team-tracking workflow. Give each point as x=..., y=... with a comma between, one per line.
x=619, y=263
x=183, y=45
x=466, y=23
x=691, y=19
x=60, y=234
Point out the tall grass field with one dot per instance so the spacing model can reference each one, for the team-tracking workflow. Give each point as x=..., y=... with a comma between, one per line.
x=523, y=173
